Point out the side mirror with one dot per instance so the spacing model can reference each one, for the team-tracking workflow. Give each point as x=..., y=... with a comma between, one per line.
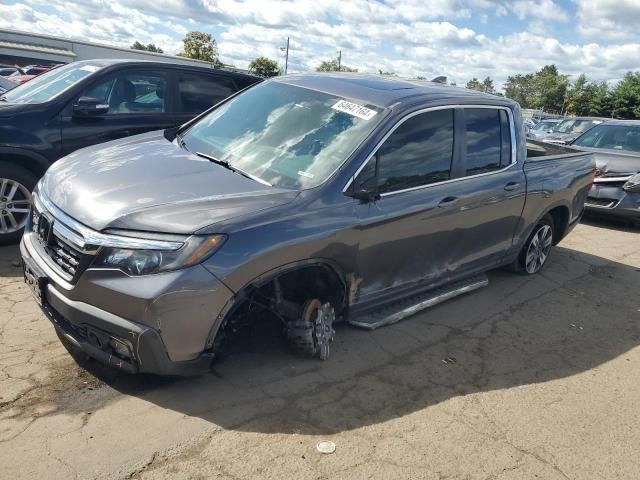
x=365, y=196
x=88, y=106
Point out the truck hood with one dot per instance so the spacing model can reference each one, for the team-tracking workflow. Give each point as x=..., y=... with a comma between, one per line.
x=615, y=162
x=147, y=183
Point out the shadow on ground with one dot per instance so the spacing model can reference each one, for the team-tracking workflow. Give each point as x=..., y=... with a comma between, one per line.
x=580, y=312
x=611, y=223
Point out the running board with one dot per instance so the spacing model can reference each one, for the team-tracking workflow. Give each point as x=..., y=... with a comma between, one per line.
x=405, y=308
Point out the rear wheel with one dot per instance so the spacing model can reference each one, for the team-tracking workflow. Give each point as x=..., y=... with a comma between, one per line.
x=535, y=251
x=16, y=185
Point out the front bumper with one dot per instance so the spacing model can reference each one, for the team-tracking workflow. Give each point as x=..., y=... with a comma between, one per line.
x=612, y=200
x=164, y=322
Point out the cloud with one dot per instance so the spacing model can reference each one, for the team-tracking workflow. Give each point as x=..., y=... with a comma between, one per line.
x=455, y=38
x=607, y=20
x=546, y=10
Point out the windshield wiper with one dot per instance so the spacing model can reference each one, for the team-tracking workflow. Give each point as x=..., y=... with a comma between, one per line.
x=228, y=166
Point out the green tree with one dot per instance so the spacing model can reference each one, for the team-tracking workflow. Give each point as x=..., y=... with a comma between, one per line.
x=520, y=88
x=602, y=102
x=549, y=89
x=387, y=74
x=487, y=86
x=200, y=46
x=474, y=84
x=587, y=98
x=150, y=47
x=625, y=96
x=264, y=67
x=332, y=66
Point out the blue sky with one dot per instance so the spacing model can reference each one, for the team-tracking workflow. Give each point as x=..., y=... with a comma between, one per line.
x=457, y=38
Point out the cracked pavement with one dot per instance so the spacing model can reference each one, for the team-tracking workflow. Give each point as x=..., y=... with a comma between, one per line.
x=531, y=377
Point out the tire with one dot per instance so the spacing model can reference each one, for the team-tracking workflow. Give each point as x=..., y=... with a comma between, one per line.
x=535, y=251
x=16, y=185
x=312, y=334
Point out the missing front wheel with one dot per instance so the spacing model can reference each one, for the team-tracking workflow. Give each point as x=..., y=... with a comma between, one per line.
x=312, y=334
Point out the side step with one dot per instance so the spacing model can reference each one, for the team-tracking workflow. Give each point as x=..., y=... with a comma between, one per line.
x=412, y=305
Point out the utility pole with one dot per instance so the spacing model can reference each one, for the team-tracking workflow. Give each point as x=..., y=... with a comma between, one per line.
x=286, y=57
x=339, y=60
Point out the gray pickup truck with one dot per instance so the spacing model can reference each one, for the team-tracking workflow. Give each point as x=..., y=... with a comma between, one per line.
x=308, y=198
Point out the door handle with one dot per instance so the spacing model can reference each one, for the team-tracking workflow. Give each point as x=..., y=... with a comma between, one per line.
x=448, y=202
x=511, y=186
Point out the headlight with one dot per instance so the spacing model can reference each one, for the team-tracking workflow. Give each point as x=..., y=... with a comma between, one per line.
x=145, y=262
x=633, y=184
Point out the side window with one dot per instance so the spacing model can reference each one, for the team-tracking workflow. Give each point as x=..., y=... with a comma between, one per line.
x=100, y=91
x=488, y=140
x=199, y=92
x=131, y=92
x=505, y=145
x=419, y=152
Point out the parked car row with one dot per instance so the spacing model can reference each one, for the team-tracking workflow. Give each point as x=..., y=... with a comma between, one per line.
x=562, y=131
x=20, y=75
x=616, y=147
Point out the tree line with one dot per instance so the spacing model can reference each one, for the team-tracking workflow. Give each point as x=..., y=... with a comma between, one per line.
x=545, y=89
x=554, y=92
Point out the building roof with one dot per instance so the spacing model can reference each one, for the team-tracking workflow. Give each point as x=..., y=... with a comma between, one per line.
x=385, y=91
x=36, y=48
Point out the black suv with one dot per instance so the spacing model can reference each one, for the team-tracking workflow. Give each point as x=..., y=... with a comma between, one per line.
x=91, y=102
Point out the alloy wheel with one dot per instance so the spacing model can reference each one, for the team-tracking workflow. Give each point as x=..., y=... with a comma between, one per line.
x=538, y=249
x=15, y=204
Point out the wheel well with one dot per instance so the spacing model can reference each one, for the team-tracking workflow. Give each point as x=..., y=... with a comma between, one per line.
x=282, y=295
x=299, y=284
x=560, y=217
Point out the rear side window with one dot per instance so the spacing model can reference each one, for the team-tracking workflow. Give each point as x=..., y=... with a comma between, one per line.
x=196, y=92
x=505, y=140
x=484, y=139
x=419, y=152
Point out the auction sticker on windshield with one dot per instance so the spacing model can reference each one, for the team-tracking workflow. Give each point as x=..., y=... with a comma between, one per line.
x=354, y=109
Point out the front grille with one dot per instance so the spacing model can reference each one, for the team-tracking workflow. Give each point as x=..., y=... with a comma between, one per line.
x=61, y=253
x=66, y=257
x=601, y=202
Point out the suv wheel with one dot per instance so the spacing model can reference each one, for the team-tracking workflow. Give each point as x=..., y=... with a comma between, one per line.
x=16, y=185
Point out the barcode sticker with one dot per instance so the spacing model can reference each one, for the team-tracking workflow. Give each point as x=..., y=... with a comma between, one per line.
x=354, y=109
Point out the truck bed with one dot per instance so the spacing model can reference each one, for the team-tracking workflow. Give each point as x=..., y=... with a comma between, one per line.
x=555, y=174
x=537, y=151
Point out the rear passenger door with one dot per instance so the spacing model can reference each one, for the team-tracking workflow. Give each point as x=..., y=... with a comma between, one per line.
x=491, y=193
x=196, y=92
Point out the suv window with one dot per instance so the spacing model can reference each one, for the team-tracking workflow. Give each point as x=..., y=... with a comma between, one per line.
x=488, y=140
x=199, y=92
x=419, y=152
x=131, y=92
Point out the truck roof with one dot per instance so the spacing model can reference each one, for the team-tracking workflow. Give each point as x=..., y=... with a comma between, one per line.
x=387, y=91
